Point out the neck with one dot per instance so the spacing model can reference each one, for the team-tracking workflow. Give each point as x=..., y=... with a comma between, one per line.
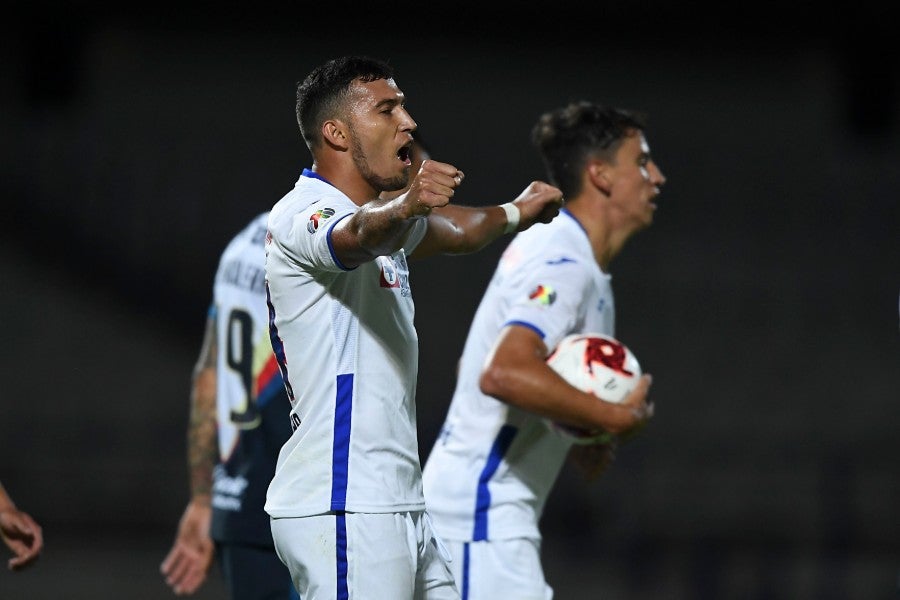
x=347, y=178
x=606, y=240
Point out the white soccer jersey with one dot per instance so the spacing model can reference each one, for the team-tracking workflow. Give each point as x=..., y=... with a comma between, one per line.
x=348, y=350
x=246, y=369
x=252, y=407
x=492, y=466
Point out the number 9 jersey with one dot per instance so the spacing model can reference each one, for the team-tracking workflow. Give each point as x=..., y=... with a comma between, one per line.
x=252, y=406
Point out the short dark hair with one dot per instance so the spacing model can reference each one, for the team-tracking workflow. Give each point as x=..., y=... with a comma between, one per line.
x=567, y=137
x=320, y=95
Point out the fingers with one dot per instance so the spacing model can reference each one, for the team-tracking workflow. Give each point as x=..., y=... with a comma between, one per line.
x=24, y=537
x=37, y=534
x=190, y=582
x=641, y=409
x=185, y=568
x=539, y=203
x=543, y=193
x=435, y=184
x=24, y=556
x=175, y=566
x=548, y=213
x=441, y=179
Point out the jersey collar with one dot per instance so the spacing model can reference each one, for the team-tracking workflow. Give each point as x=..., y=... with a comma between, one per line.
x=314, y=175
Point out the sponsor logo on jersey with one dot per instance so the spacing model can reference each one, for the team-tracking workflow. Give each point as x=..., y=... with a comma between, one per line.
x=394, y=272
x=228, y=492
x=317, y=217
x=542, y=295
x=560, y=261
x=390, y=278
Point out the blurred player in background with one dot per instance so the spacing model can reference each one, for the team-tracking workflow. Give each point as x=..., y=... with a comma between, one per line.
x=495, y=461
x=346, y=499
x=21, y=534
x=228, y=493
x=238, y=422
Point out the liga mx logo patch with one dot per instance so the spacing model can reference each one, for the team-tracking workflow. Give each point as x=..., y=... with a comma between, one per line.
x=542, y=295
x=317, y=217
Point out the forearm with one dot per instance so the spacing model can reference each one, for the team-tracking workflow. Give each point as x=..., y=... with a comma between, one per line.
x=516, y=372
x=454, y=229
x=465, y=229
x=535, y=388
x=377, y=229
x=202, y=435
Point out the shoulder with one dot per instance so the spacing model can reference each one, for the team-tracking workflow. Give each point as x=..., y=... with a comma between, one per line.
x=310, y=196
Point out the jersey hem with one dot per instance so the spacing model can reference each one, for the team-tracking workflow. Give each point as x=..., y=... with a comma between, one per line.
x=287, y=513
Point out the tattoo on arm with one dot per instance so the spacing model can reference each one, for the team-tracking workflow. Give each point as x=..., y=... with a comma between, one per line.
x=202, y=439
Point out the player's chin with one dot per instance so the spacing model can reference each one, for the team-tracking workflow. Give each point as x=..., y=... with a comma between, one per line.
x=643, y=222
x=397, y=183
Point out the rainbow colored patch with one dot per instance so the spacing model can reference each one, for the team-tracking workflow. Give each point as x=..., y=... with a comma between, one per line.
x=320, y=215
x=542, y=295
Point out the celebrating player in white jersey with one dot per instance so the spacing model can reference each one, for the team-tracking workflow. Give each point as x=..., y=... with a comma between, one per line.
x=495, y=461
x=238, y=425
x=346, y=500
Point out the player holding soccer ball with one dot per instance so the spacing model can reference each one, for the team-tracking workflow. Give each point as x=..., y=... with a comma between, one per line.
x=490, y=472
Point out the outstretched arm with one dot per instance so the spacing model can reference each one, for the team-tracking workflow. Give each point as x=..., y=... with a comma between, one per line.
x=516, y=372
x=382, y=226
x=454, y=229
x=20, y=533
x=187, y=563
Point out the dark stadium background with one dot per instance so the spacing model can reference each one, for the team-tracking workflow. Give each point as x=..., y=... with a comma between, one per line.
x=135, y=141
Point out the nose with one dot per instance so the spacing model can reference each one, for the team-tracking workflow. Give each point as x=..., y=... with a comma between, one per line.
x=657, y=176
x=408, y=123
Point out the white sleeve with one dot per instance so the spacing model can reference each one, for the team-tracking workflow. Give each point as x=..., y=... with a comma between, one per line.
x=549, y=298
x=305, y=238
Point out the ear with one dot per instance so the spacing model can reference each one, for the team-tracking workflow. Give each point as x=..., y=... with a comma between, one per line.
x=334, y=132
x=600, y=175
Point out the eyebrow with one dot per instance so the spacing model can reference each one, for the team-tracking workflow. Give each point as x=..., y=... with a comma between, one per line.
x=389, y=102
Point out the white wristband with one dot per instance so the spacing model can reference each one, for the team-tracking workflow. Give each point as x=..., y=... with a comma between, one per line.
x=512, y=216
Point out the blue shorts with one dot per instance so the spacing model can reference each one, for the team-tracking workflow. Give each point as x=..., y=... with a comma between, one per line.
x=254, y=573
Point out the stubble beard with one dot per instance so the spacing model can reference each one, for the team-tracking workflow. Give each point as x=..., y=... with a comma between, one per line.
x=378, y=183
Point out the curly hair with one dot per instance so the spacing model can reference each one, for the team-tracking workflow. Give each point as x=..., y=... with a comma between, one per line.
x=568, y=136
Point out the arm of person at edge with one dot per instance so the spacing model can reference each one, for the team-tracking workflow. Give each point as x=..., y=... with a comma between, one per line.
x=380, y=227
x=516, y=372
x=21, y=534
x=187, y=563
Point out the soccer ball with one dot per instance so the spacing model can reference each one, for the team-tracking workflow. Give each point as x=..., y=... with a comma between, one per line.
x=598, y=364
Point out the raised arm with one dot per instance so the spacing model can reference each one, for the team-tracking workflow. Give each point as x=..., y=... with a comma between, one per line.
x=454, y=229
x=381, y=227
